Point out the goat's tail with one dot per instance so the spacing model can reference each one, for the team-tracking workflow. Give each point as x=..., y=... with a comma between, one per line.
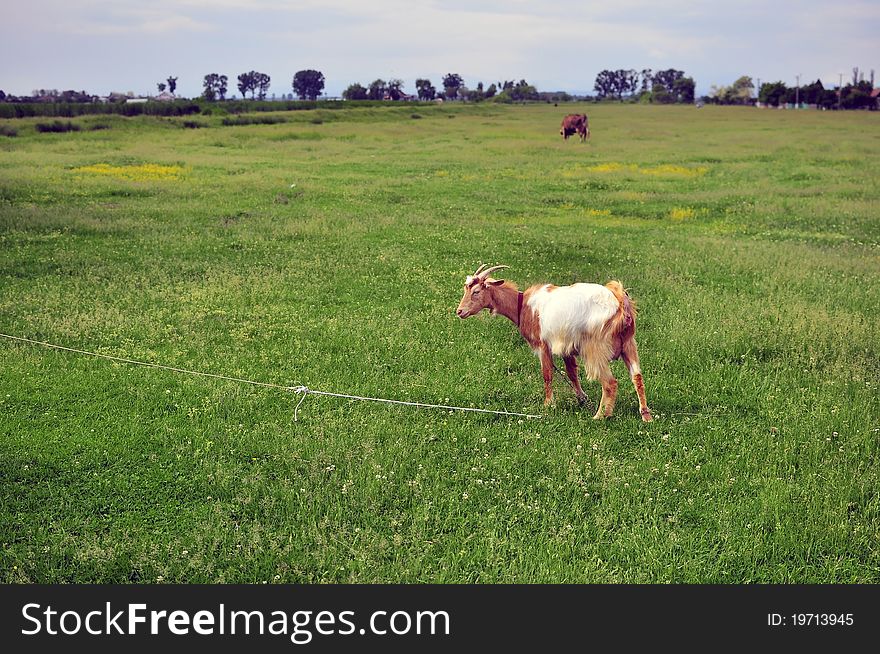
x=628, y=309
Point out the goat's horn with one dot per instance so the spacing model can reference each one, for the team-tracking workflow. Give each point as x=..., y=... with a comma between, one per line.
x=485, y=273
x=479, y=269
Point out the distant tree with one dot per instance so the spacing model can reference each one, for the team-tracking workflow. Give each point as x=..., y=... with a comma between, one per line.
x=683, y=89
x=719, y=94
x=627, y=82
x=606, y=84
x=255, y=82
x=647, y=80
x=771, y=93
x=812, y=93
x=857, y=96
x=451, y=83
x=214, y=87
x=790, y=95
x=45, y=95
x=377, y=89
x=742, y=90
x=261, y=83
x=515, y=92
x=722, y=94
x=394, y=89
x=73, y=96
x=523, y=91
x=308, y=84
x=172, y=84
x=616, y=83
x=208, y=87
x=425, y=89
x=245, y=83
x=160, y=86
x=2, y=96
x=491, y=91
x=827, y=99
x=667, y=77
x=660, y=95
x=355, y=92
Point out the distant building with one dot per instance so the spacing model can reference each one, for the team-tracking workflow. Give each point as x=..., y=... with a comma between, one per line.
x=115, y=96
x=165, y=96
x=400, y=96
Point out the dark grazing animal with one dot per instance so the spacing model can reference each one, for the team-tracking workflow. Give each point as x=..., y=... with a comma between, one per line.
x=575, y=123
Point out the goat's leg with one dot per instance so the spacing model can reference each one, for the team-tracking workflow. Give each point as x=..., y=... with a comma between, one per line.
x=630, y=356
x=609, y=394
x=571, y=369
x=547, y=372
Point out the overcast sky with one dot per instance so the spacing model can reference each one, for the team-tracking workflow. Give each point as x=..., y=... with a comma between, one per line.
x=126, y=45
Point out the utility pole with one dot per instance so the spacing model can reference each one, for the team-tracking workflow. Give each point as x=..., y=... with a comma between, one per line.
x=758, y=92
x=797, y=92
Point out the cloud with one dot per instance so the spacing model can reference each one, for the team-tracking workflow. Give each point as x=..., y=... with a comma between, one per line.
x=133, y=25
x=102, y=18
x=430, y=40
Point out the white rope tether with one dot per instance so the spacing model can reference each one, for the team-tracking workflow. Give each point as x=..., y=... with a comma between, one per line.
x=303, y=390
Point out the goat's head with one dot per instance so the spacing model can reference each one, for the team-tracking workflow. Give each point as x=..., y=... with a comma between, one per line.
x=477, y=292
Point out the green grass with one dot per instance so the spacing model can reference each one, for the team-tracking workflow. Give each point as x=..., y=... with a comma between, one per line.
x=330, y=250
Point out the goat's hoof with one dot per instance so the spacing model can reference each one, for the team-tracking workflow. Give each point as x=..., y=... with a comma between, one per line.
x=599, y=416
x=646, y=415
x=582, y=400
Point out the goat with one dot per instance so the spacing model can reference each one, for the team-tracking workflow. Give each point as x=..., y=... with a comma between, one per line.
x=594, y=322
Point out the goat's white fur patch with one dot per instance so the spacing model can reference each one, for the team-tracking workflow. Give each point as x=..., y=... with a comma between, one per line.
x=571, y=314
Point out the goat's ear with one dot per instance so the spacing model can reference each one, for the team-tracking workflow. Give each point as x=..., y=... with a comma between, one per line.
x=495, y=282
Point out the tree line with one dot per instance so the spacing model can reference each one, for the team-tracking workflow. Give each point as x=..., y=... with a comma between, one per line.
x=452, y=88
x=647, y=86
x=668, y=86
x=307, y=84
x=855, y=95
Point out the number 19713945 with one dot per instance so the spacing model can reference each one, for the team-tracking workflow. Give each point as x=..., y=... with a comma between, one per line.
x=810, y=620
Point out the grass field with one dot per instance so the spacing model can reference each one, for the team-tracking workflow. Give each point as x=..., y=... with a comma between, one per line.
x=330, y=250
